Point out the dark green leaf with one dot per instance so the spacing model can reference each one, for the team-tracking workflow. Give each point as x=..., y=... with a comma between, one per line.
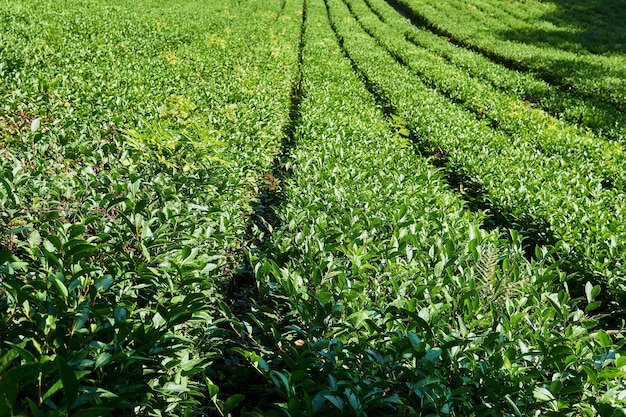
x=70, y=383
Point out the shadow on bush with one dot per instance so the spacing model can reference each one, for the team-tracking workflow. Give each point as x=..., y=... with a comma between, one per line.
x=594, y=26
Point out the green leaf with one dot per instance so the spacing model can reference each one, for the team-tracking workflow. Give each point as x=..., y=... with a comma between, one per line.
x=33, y=407
x=19, y=229
x=59, y=285
x=358, y=318
x=414, y=340
x=35, y=125
x=607, y=410
x=556, y=386
x=335, y=400
x=325, y=297
x=81, y=318
x=591, y=291
x=544, y=395
x=516, y=409
x=318, y=401
x=70, y=383
x=12, y=379
x=604, y=338
x=26, y=355
x=119, y=313
x=431, y=355
x=34, y=238
x=52, y=390
x=353, y=401
x=593, y=306
x=7, y=358
x=263, y=365
x=103, y=359
x=232, y=402
x=281, y=379
x=174, y=387
x=212, y=388
x=104, y=283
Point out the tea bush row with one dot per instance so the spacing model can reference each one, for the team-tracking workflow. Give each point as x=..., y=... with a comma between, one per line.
x=517, y=179
x=135, y=138
x=393, y=300
x=592, y=75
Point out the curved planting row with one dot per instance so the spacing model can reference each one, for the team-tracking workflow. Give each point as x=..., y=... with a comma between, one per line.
x=134, y=139
x=502, y=110
x=379, y=294
x=597, y=76
x=601, y=117
x=158, y=157
x=595, y=113
x=570, y=27
x=530, y=187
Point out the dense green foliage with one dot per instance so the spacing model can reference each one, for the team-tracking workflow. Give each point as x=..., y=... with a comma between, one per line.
x=573, y=44
x=520, y=164
x=308, y=207
x=130, y=161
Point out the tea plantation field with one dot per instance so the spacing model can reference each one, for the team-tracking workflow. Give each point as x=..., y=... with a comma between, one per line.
x=312, y=207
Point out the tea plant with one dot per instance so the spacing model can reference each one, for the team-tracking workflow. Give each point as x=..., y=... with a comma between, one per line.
x=129, y=161
x=393, y=301
x=300, y=208
x=590, y=74
x=598, y=115
x=519, y=181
